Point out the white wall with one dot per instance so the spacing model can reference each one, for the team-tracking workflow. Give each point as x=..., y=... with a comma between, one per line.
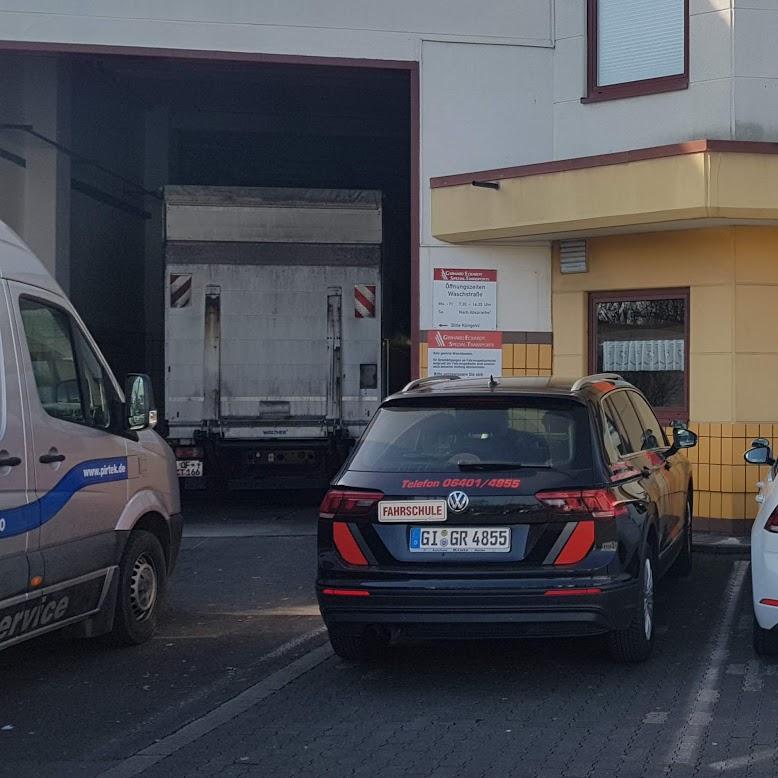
x=486, y=107
x=523, y=282
x=756, y=70
x=342, y=28
x=482, y=107
x=702, y=111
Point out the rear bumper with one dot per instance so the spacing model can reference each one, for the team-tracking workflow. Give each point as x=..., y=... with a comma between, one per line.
x=269, y=464
x=447, y=611
x=764, y=576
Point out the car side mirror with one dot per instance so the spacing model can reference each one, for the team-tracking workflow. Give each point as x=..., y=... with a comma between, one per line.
x=682, y=438
x=759, y=453
x=139, y=396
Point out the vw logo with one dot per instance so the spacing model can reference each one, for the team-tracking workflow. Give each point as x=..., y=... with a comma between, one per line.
x=458, y=501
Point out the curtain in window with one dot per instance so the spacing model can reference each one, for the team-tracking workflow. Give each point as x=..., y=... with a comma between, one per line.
x=624, y=356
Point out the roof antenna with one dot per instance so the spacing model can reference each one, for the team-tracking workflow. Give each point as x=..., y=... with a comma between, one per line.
x=492, y=382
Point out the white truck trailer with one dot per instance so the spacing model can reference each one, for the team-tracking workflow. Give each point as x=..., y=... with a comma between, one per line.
x=273, y=337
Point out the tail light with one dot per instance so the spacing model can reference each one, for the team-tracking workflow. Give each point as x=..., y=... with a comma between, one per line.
x=189, y=452
x=348, y=504
x=772, y=523
x=596, y=503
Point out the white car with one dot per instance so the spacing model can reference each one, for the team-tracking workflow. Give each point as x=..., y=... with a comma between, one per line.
x=764, y=552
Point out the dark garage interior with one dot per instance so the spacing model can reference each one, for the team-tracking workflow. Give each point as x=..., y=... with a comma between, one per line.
x=139, y=124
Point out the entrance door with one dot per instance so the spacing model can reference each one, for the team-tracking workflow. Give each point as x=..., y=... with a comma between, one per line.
x=18, y=512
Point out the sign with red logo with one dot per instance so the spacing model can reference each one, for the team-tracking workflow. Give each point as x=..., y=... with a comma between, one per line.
x=464, y=299
x=466, y=354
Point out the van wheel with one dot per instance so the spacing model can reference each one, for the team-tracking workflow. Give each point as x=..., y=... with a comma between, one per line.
x=682, y=567
x=142, y=577
x=356, y=647
x=765, y=640
x=634, y=643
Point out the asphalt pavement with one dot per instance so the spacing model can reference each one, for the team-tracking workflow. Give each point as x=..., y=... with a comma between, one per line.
x=240, y=681
x=240, y=605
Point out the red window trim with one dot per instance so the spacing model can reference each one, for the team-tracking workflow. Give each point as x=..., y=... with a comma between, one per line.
x=649, y=86
x=664, y=414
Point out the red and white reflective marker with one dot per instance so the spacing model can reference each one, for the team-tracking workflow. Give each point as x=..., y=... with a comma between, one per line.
x=364, y=301
x=180, y=290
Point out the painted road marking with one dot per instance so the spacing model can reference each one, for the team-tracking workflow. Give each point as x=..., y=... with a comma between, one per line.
x=744, y=761
x=221, y=714
x=705, y=692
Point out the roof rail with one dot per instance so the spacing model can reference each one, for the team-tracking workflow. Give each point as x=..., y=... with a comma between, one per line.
x=432, y=379
x=590, y=379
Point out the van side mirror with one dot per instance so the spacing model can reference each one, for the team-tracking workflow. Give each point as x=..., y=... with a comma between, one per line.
x=759, y=453
x=139, y=396
x=682, y=438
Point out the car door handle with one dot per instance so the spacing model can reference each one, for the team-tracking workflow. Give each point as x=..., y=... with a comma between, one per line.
x=10, y=462
x=50, y=459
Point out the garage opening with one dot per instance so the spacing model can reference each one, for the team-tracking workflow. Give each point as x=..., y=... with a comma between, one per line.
x=135, y=128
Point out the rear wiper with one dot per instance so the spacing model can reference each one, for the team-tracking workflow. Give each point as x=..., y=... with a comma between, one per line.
x=487, y=466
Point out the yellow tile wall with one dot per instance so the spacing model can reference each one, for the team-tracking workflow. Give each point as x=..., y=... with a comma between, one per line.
x=725, y=486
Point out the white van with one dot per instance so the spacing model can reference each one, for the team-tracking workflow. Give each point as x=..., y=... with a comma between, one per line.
x=90, y=516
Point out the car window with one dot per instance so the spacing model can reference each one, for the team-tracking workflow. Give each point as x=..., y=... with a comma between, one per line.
x=438, y=438
x=630, y=423
x=653, y=432
x=95, y=385
x=71, y=383
x=616, y=442
x=53, y=360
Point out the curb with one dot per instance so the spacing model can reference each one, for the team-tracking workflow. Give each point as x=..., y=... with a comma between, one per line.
x=724, y=546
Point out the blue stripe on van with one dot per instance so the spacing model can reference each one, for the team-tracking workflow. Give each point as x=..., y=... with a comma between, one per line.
x=17, y=521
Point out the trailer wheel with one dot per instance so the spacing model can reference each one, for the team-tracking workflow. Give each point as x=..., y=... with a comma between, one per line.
x=142, y=579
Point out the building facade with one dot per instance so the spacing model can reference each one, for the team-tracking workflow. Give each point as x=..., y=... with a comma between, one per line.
x=628, y=142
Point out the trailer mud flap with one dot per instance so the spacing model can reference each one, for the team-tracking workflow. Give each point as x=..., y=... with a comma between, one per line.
x=56, y=606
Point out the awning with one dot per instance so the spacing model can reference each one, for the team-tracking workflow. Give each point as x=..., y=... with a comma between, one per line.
x=696, y=184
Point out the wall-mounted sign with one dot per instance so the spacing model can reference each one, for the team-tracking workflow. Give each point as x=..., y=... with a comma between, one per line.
x=466, y=354
x=464, y=299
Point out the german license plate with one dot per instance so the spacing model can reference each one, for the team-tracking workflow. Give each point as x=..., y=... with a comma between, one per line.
x=407, y=511
x=189, y=468
x=460, y=540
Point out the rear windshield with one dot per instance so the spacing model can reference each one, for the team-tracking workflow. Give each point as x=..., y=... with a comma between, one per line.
x=461, y=435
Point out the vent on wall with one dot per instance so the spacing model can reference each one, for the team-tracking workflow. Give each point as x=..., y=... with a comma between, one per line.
x=572, y=256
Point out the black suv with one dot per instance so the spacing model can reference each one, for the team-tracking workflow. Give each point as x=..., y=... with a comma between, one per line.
x=505, y=508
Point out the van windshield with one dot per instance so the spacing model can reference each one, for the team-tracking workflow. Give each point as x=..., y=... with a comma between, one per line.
x=461, y=435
